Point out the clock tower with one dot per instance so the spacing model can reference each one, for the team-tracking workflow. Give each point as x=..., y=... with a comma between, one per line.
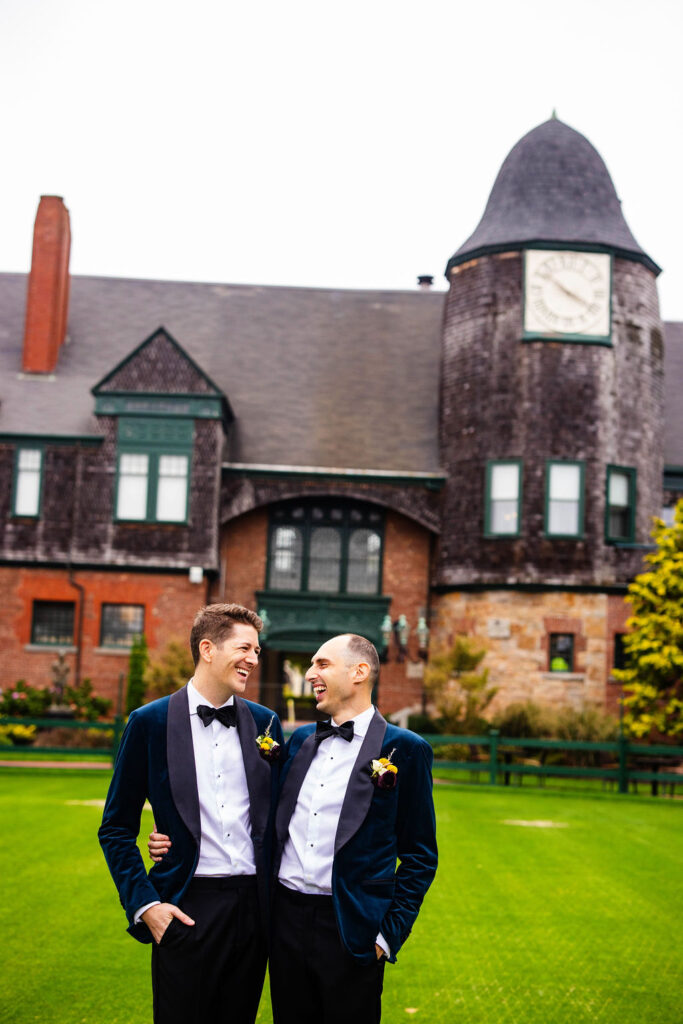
x=551, y=407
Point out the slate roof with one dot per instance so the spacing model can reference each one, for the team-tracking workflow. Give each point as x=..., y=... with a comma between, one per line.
x=315, y=377
x=552, y=187
x=673, y=388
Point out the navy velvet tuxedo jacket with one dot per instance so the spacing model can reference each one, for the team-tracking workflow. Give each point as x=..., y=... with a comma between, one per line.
x=155, y=762
x=376, y=826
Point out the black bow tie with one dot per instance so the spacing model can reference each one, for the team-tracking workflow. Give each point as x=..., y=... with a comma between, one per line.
x=325, y=729
x=226, y=715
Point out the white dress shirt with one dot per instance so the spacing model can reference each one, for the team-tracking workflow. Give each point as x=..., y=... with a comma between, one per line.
x=226, y=846
x=308, y=853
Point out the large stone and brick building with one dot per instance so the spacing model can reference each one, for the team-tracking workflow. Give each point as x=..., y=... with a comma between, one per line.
x=487, y=462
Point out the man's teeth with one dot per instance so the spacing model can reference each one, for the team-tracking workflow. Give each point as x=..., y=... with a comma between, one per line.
x=319, y=689
x=242, y=672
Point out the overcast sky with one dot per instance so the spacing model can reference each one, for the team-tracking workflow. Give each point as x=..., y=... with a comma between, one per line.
x=350, y=145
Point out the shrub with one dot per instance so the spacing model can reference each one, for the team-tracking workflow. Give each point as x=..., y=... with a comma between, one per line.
x=85, y=705
x=76, y=739
x=169, y=670
x=526, y=719
x=20, y=735
x=135, y=692
x=461, y=694
x=452, y=752
x=25, y=701
x=424, y=724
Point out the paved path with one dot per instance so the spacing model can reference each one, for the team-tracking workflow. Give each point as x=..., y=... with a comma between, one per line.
x=102, y=765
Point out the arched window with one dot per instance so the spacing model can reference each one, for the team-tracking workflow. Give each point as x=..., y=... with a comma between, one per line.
x=329, y=547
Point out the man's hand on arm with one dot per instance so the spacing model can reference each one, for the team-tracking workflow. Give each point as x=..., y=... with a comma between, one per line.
x=159, y=916
x=158, y=845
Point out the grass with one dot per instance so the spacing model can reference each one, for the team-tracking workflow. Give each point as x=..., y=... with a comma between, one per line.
x=523, y=925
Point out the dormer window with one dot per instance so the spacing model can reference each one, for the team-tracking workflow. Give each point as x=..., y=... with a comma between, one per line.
x=153, y=475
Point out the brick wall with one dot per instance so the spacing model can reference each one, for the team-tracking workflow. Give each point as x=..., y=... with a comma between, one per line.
x=170, y=603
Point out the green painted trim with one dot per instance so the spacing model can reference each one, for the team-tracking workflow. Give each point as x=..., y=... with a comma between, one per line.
x=632, y=475
x=531, y=588
x=488, y=533
x=673, y=478
x=15, y=479
x=432, y=481
x=582, y=498
x=538, y=243
x=105, y=566
x=87, y=441
x=140, y=403
x=568, y=338
x=302, y=621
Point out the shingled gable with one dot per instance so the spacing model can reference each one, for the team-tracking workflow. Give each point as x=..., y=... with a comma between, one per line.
x=159, y=366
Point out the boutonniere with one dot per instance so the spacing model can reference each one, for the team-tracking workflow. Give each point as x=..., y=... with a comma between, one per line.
x=268, y=748
x=383, y=773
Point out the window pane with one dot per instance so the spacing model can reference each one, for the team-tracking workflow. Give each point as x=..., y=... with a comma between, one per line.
x=565, y=483
x=363, y=571
x=132, y=492
x=505, y=482
x=285, y=558
x=619, y=523
x=53, y=622
x=504, y=516
x=325, y=559
x=172, y=489
x=27, y=497
x=618, y=488
x=561, y=652
x=563, y=517
x=121, y=623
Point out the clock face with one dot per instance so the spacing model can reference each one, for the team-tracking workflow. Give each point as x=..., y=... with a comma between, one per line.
x=567, y=293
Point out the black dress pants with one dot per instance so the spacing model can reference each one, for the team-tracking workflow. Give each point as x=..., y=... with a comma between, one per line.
x=211, y=972
x=313, y=978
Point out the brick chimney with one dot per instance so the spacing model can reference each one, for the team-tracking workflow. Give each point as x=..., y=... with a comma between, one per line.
x=47, y=302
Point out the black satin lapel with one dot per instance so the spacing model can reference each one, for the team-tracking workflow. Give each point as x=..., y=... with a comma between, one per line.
x=256, y=769
x=182, y=775
x=360, y=789
x=292, y=784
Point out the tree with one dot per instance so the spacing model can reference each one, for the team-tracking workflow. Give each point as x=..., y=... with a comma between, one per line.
x=461, y=694
x=137, y=663
x=653, y=677
x=169, y=670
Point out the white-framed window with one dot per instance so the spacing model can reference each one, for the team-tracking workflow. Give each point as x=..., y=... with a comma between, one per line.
x=564, y=499
x=28, y=481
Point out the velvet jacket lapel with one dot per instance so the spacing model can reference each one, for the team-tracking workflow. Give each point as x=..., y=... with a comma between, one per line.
x=182, y=775
x=291, y=787
x=360, y=789
x=256, y=769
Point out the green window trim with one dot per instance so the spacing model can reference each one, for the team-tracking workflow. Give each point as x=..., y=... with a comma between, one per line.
x=345, y=529
x=22, y=454
x=489, y=500
x=564, y=535
x=629, y=534
x=153, y=441
x=52, y=623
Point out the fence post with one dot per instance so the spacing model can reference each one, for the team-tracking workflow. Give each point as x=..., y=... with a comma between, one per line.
x=118, y=730
x=493, y=756
x=623, y=763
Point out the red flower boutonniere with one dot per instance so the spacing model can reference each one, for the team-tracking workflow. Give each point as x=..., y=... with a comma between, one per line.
x=383, y=773
x=268, y=748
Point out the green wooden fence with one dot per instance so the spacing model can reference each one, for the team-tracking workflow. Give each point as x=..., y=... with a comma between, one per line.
x=500, y=758
x=621, y=761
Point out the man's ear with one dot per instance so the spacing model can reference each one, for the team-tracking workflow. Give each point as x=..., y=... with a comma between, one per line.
x=362, y=672
x=205, y=650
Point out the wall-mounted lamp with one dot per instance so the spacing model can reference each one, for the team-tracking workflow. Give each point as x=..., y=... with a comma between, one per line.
x=265, y=619
x=400, y=632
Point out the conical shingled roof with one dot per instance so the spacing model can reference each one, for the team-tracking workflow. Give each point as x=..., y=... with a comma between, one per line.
x=553, y=187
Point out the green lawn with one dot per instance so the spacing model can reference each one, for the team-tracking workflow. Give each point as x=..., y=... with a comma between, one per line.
x=524, y=925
